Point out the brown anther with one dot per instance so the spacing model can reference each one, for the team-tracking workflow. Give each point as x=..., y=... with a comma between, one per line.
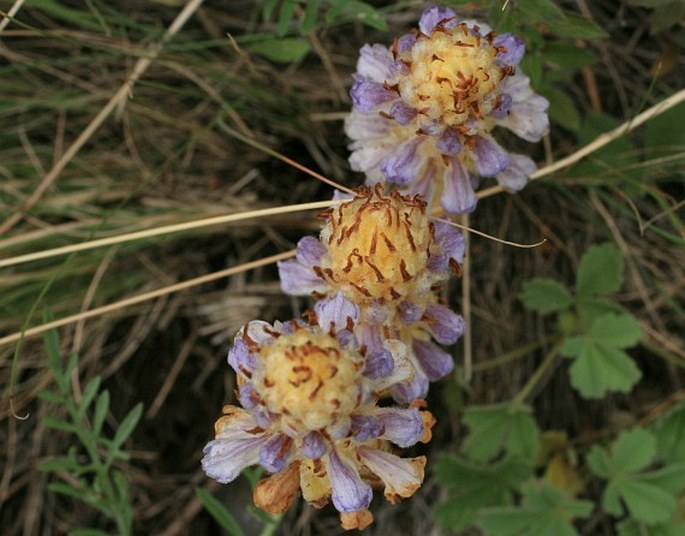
x=303, y=372
x=394, y=294
x=464, y=44
x=374, y=243
x=391, y=247
x=379, y=275
x=435, y=57
x=349, y=324
x=385, y=115
x=333, y=371
x=268, y=382
x=406, y=276
x=394, y=87
x=446, y=159
x=441, y=79
x=424, y=97
x=361, y=290
x=436, y=288
x=316, y=390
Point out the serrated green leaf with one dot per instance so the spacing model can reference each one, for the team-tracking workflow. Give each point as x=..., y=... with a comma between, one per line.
x=101, y=408
x=545, y=295
x=473, y=486
x=89, y=393
x=281, y=50
x=600, y=270
x=619, y=331
x=592, y=307
x=670, y=434
x=127, y=426
x=631, y=527
x=670, y=478
x=634, y=450
x=577, y=26
x=500, y=427
x=599, y=369
x=647, y=502
x=562, y=109
x=219, y=512
x=545, y=511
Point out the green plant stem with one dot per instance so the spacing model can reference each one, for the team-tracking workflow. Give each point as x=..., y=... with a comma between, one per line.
x=512, y=355
x=538, y=375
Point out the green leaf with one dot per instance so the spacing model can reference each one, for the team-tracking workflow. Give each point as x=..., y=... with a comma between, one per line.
x=311, y=14
x=544, y=11
x=599, y=369
x=51, y=396
x=473, y=486
x=219, y=512
x=567, y=55
x=619, y=331
x=545, y=295
x=101, y=408
x=361, y=11
x=670, y=434
x=577, y=27
x=633, y=451
x=281, y=50
x=89, y=393
x=285, y=16
x=647, y=502
x=83, y=494
x=59, y=424
x=592, y=307
x=127, y=426
x=631, y=527
x=500, y=427
x=666, y=130
x=600, y=270
x=671, y=478
x=60, y=464
x=545, y=511
x=562, y=109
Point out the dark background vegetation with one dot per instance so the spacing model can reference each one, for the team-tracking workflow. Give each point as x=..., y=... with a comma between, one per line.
x=163, y=156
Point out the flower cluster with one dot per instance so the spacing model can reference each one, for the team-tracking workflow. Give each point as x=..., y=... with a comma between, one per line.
x=424, y=110
x=327, y=402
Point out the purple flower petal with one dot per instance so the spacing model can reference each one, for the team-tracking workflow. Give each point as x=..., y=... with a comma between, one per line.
x=275, y=454
x=248, y=396
x=449, y=143
x=368, y=95
x=365, y=427
x=402, y=112
x=435, y=362
x=349, y=492
x=376, y=312
x=258, y=331
x=405, y=42
x=310, y=250
x=404, y=427
x=375, y=62
x=401, y=165
x=240, y=359
x=516, y=175
x=451, y=240
x=379, y=363
x=503, y=106
x=415, y=389
x=336, y=313
x=458, y=195
x=225, y=458
x=409, y=312
x=313, y=445
x=433, y=16
x=445, y=325
x=489, y=157
x=527, y=117
x=513, y=49
x=298, y=279
x=402, y=476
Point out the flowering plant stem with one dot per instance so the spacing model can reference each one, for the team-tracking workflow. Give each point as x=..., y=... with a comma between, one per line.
x=539, y=374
